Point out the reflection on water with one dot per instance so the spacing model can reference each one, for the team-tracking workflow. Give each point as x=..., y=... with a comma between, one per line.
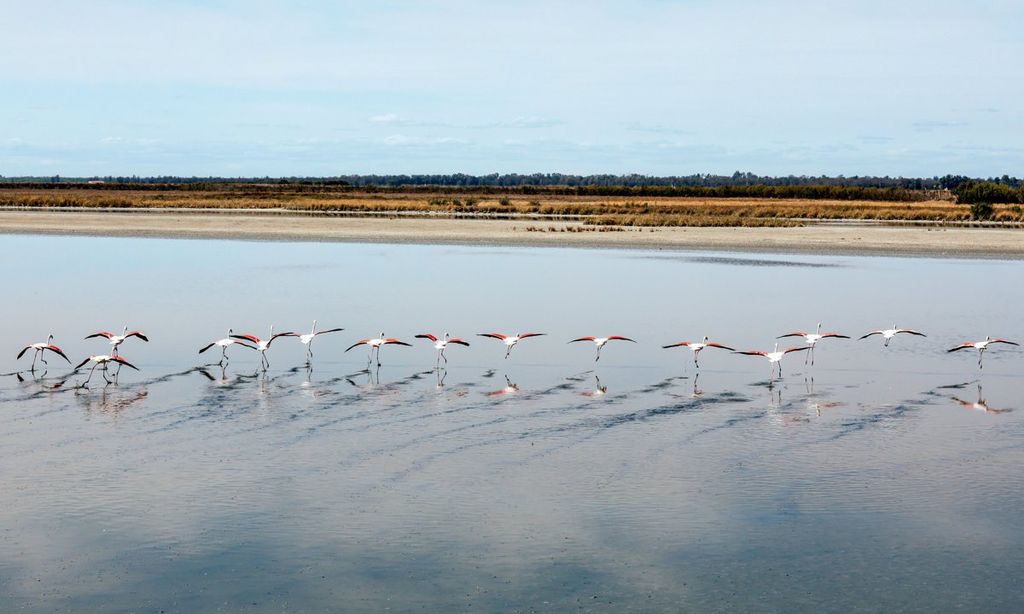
x=537, y=482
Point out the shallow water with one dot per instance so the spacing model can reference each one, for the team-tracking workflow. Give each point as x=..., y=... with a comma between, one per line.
x=542, y=482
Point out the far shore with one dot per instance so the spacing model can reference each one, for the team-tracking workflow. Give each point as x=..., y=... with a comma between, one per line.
x=867, y=239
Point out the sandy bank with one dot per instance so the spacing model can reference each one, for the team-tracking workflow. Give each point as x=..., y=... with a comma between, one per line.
x=829, y=239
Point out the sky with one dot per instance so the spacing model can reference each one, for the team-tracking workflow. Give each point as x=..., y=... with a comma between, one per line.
x=660, y=87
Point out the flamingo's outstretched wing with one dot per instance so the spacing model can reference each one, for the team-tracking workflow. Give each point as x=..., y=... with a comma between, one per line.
x=1003, y=341
x=288, y=334
x=803, y=349
x=793, y=334
x=962, y=346
x=206, y=347
x=124, y=362
x=525, y=335
x=910, y=332
x=357, y=343
x=100, y=334
x=677, y=345
x=492, y=335
x=751, y=353
x=711, y=344
x=137, y=333
x=428, y=336
x=874, y=332
x=329, y=330
x=252, y=338
x=581, y=339
x=396, y=342
x=459, y=341
x=56, y=350
x=621, y=338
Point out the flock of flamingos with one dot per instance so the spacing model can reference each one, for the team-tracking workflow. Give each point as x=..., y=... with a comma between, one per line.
x=440, y=344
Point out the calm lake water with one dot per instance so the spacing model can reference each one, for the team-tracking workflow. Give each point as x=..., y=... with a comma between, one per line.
x=869, y=481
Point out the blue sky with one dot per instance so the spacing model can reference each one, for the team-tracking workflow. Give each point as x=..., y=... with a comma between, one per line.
x=257, y=88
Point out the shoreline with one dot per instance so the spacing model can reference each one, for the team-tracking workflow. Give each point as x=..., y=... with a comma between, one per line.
x=868, y=240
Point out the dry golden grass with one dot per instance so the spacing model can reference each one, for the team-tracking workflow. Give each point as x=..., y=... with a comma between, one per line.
x=596, y=211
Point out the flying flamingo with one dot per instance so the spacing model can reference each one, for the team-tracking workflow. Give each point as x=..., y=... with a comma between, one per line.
x=601, y=341
x=981, y=346
x=224, y=344
x=103, y=361
x=262, y=345
x=40, y=349
x=510, y=342
x=774, y=357
x=812, y=339
x=375, y=344
x=889, y=333
x=441, y=344
x=307, y=339
x=697, y=347
x=117, y=340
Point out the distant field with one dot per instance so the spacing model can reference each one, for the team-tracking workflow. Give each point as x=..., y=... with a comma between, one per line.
x=593, y=210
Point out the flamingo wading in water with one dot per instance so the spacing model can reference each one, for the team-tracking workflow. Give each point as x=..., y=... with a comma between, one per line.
x=375, y=344
x=774, y=357
x=117, y=340
x=40, y=350
x=981, y=346
x=812, y=339
x=104, y=361
x=307, y=339
x=510, y=342
x=601, y=341
x=262, y=345
x=697, y=347
x=889, y=333
x=441, y=344
x=224, y=344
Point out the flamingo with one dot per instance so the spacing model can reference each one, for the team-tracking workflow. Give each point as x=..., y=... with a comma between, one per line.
x=774, y=357
x=40, y=350
x=980, y=404
x=510, y=342
x=224, y=344
x=598, y=391
x=697, y=347
x=601, y=341
x=981, y=346
x=262, y=345
x=509, y=389
x=307, y=339
x=441, y=344
x=117, y=340
x=889, y=333
x=812, y=339
x=375, y=344
x=103, y=360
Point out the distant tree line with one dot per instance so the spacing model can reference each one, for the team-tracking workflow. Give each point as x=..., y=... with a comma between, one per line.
x=970, y=192
x=514, y=180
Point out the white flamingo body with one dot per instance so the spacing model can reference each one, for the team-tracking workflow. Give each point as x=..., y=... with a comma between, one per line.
x=775, y=357
x=600, y=342
x=981, y=346
x=889, y=333
x=224, y=344
x=40, y=350
x=116, y=340
x=697, y=347
x=441, y=344
x=307, y=339
x=262, y=345
x=510, y=341
x=812, y=339
x=103, y=360
x=376, y=344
